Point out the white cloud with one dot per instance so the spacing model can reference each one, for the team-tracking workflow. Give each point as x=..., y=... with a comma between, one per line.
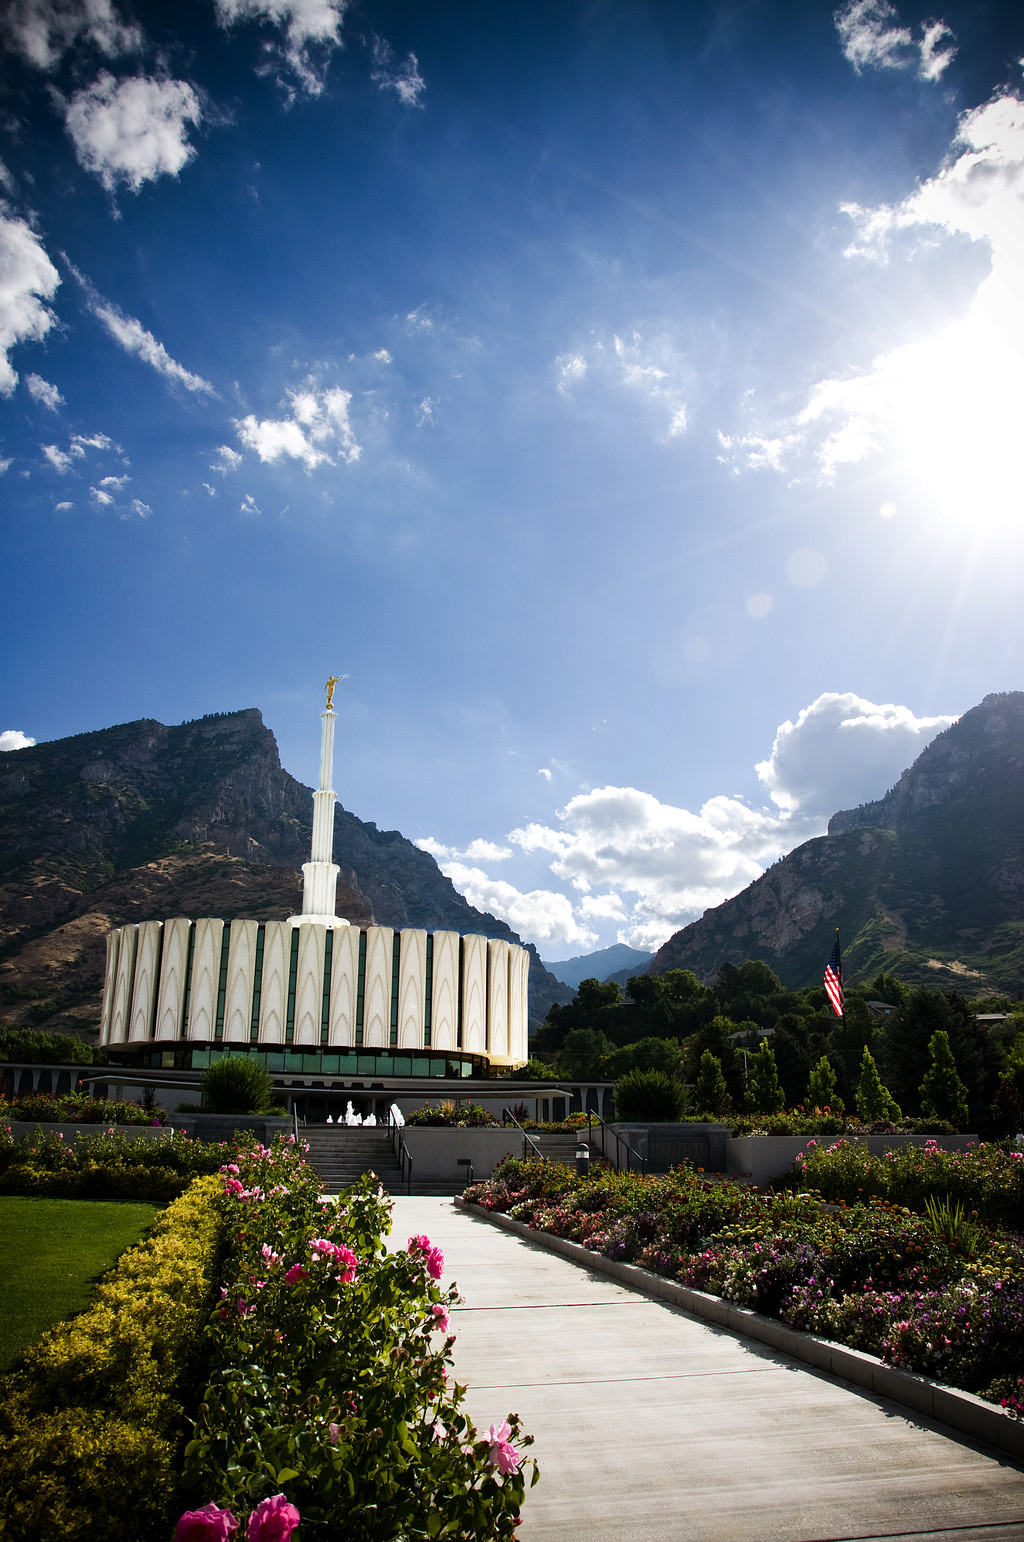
x=425, y=412
x=114, y=484
x=873, y=38
x=949, y=406
x=230, y=460
x=14, y=739
x=132, y=131
x=27, y=279
x=42, y=31
x=318, y=431
x=477, y=851
x=648, y=867
x=540, y=915
x=132, y=336
x=101, y=498
x=143, y=510
x=64, y=460
x=59, y=459
x=843, y=750
x=61, y=508
x=43, y=392
x=249, y=505
x=404, y=79
x=311, y=33
x=5, y=465
x=382, y=356
x=545, y=772
x=650, y=368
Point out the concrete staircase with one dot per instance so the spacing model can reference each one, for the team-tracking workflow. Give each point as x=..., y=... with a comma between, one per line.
x=342, y=1154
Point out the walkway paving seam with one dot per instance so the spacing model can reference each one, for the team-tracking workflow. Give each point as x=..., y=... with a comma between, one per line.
x=961, y=1411
x=654, y=1425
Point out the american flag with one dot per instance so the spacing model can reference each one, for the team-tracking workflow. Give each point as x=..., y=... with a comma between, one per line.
x=834, y=978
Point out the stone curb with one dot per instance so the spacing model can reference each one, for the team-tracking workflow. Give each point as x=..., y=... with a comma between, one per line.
x=961, y=1411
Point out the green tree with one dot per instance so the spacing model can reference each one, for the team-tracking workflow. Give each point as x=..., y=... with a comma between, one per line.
x=886, y=987
x=582, y=1053
x=875, y=1103
x=821, y=1089
x=650, y=1095
x=943, y=1094
x=710, y=1095
x=791, y=1048
x=715, y=1036
x=595, y=995
x=646, y=1055
x=764, y=1090
x=238, y=1084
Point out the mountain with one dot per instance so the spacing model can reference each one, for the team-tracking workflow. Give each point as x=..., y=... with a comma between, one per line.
x=143, y=822
x=598, y=966
x=927, y=882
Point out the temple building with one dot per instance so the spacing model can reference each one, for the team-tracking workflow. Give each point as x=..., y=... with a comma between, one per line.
x=314, y=994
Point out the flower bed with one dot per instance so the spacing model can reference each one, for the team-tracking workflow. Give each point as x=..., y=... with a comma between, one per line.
x=921, y=1293
x=984, y=1178
x=106, y=1164
x=77, y=1108
x=329, y=1394
x=90, y=1424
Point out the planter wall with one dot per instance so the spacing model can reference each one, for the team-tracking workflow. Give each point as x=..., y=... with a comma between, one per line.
x=437, y=1153
x=221, y=1127
x=764, y=1157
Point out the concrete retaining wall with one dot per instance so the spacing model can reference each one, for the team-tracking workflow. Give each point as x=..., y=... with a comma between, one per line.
x=436, y=1153
x=23, y=1129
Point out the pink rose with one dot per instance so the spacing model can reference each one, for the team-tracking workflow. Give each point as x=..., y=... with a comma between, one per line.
x=433, y=1257
x=502, y=1455
x=295, y=1273
x=273, y=1521
x=210, y=1524
x=441, y=1314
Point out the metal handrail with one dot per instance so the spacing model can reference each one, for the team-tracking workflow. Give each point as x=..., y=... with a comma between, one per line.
x=630, y=1153
x=400, y=1149
x=508, y=1116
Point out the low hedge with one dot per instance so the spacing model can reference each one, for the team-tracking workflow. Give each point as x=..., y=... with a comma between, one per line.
x=77, y=1108
x=106, y=1165
x=92, y=1418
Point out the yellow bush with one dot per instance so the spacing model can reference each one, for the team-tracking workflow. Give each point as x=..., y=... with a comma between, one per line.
x=89, y=1421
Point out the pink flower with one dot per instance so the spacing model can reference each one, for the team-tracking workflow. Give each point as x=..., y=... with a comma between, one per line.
x=441, y=1314
x=243, y=1308
x=232, y=1186
x=502, y=1455
x=334, y=1430
x=433, y=1257
x=295, y=1273
x=210, y=1524
x=273, y=1520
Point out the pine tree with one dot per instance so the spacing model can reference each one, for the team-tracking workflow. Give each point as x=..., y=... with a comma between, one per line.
x=710, y=1092
x=764, y=1093
x=821, y=1089
x=875, y=1103
x=943, y=1094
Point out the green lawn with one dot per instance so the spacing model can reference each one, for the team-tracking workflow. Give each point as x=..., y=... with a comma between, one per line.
x=52, y=1251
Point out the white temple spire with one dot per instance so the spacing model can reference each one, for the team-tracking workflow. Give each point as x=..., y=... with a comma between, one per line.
x=320, y=873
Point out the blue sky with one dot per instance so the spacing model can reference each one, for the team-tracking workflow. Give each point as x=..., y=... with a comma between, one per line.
x=627, y=397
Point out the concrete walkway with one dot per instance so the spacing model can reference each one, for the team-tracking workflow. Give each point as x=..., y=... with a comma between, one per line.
x=652, y=1425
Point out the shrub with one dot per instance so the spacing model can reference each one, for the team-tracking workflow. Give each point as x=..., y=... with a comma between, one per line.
x=238, y=1084
x=710, y=1092
x=328, y=1377
x=649, y=1095
x=77, y=1108
x=106, y=1165
x=765, y=1093
x=875, y=1103
x=452, y=1115
x=821, y=1089
x=943, y=1094
x=91, y=1419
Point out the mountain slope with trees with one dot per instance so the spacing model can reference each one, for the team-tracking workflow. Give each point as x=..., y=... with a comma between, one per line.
x=928, y=882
